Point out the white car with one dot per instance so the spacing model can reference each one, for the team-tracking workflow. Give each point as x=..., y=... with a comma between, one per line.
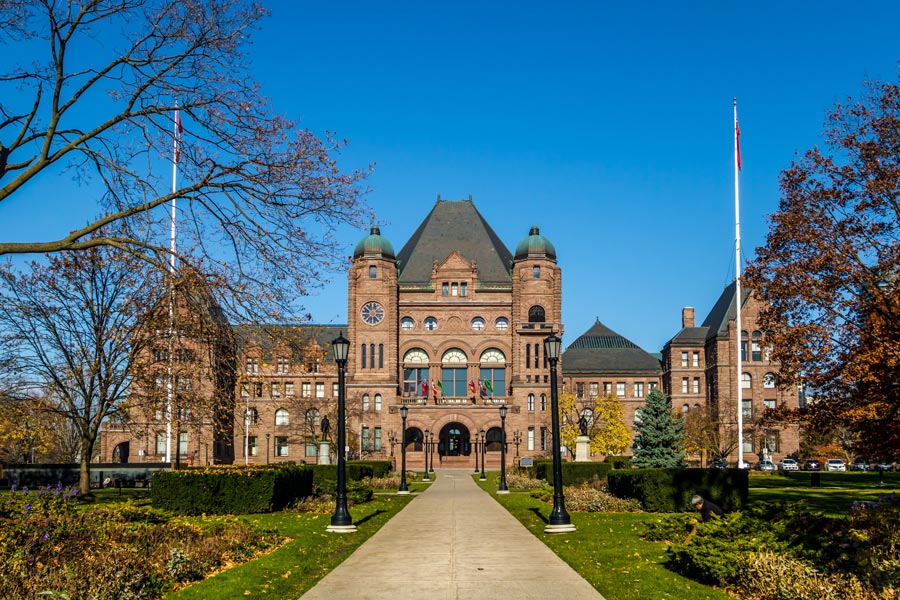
x=789, y=464
x=835, y=464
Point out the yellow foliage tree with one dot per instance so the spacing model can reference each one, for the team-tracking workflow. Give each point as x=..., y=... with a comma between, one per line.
x=604, y=419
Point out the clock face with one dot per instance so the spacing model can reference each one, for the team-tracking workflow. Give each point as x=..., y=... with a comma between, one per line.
x=372, y=313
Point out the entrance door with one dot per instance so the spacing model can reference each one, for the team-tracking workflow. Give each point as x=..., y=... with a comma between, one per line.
x=454, y=440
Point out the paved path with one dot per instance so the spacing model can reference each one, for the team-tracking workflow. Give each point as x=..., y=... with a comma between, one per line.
x=453, y=541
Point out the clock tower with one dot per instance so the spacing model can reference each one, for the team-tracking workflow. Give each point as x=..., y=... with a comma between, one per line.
x=372, y=318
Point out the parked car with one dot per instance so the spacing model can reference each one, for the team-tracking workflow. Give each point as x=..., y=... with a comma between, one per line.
x=884, y=466
x=835, y=464
x=860, y=465
x=718, y=463
x=789, y=464
x=811, y=465
x=765, y=465
x=743, y=465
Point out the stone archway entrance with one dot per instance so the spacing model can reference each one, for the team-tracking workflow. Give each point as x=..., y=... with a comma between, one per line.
x=454, y=440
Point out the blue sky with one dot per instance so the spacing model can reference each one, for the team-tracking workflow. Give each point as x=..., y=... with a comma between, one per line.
x=607, y=124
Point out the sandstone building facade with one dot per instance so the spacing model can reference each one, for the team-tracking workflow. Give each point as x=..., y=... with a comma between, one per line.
x=451, y=327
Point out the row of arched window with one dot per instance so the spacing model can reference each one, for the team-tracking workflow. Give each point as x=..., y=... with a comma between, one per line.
x=455, y=380
x=754, y=342
x=283, y=417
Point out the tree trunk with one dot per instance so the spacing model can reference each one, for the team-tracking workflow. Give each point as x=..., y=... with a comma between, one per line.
x=84, y=476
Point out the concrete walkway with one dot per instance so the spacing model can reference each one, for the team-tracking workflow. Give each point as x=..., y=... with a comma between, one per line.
x=453, y=541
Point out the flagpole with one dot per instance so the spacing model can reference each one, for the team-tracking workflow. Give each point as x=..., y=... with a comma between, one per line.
x=737, y=286
x=170, y=384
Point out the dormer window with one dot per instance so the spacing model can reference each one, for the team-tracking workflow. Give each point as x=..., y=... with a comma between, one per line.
x=445, y=289
x=454, y=289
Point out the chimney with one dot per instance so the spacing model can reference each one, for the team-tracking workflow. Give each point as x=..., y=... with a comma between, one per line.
x=687, y=316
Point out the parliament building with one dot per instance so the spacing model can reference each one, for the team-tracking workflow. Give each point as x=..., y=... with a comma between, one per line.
x=452, y=328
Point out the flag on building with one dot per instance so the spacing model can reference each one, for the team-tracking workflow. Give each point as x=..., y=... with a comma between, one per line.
x=483, y=389
x=489, y=386
x=425, y=388
x=472, y=386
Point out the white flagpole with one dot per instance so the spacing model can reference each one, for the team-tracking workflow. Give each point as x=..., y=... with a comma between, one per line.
x=170, y=384
x=737, y=286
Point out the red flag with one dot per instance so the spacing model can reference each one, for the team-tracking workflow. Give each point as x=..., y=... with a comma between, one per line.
x=737, y=143
x=424, y=388
x=472, y=385
x=178, y=131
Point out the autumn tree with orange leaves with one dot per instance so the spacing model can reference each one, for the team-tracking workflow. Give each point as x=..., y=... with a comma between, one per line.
x=829, y=273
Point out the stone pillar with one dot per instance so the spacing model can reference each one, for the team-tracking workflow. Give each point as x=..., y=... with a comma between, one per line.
x=582, y=449
x=324, y=452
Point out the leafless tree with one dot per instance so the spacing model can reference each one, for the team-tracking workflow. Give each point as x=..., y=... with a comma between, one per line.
x=89, y=90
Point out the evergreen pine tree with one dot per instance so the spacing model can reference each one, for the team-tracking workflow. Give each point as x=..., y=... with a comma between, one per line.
x=658, y=442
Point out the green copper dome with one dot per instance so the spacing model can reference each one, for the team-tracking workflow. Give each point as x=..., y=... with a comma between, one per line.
x=374, y=243
x=535, y=245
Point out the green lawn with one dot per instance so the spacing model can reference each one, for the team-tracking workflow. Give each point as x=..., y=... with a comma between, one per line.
x=834, y=495
x=607, y=550
x=310, y=554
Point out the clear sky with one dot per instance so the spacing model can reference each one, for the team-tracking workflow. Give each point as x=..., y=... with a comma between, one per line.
x=607, y=124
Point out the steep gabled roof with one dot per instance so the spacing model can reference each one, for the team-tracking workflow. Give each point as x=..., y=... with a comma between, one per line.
x=297, y=337
x=602, y=350
x=454, y=225
x=724, y=311
x=689, y=336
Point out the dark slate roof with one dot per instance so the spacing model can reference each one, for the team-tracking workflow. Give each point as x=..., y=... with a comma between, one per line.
x=723, y=311
x=454, y=225
x=296, y=336
x=689, y=336
x=602, y=350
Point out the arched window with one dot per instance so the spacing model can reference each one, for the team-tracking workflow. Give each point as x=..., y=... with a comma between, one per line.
x=282, y=417
x=493, y=439
x=407, y=324
x=769, y=380
x=431, y=323
x=746, y=381
x=477, y=324
x=536, y=314
x=756, y=346
x=543, y=402
x=366, y=402
x=453, y=373
x=696, y=407
x=530, y=402
x=502, y=323
x=377, y=401
x=588, y=415
x=744, y=340
x=685, y=408
x=415, y=373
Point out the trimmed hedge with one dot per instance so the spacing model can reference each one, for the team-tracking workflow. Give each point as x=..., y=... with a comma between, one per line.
x=573, y=473
x=230, y=490
x=670, y=490
x=357, y=470
x=618, y=462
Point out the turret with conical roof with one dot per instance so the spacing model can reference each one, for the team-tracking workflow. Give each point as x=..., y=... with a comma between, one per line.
x=374, y=244
x=535, y=246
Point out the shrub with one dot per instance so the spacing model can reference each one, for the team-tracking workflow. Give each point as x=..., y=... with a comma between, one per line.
x=521, y=480
x=670, y=490
x=230, y=490
x=770, y=576
x=585, y=498
x=47, y=547
x=572, y=472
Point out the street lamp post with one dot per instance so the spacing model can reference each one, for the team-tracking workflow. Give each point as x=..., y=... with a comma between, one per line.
x=481, y=435
x=425, y=448
x=268, y=435
x=477, y=450
x=559, y=521
x=341, y=522
x=431, y=439
x=403, y=489
x=502, y=489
